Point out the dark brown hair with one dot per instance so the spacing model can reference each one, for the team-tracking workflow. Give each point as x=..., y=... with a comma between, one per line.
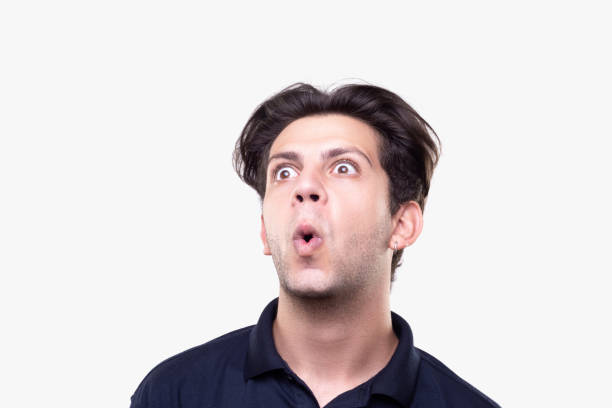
x=408, y=151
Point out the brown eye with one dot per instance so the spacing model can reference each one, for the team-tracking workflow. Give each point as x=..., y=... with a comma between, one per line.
x=284, y=173
x=345, y=168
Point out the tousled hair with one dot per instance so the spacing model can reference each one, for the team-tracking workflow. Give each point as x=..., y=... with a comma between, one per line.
x=408, y=149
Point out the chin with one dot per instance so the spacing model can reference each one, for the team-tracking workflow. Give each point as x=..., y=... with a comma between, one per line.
x=310, y=293
x=309, y=290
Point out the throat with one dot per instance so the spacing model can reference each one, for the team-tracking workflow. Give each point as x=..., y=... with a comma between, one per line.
x=332, y=346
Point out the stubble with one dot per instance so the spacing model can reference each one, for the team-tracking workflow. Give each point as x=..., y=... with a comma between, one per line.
x=357, y=263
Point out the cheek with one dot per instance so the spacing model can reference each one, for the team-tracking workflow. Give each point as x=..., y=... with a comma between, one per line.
x=365, y=207
x=274, y=215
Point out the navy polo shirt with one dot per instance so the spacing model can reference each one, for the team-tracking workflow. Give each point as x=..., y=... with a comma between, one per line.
x=243, y=369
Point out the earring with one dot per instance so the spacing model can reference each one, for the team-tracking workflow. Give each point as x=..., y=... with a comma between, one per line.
x=395, y=246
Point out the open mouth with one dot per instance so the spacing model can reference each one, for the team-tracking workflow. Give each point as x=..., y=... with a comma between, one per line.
x=306, y=239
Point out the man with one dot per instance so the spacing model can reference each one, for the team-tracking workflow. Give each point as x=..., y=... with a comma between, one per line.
x=343, y=177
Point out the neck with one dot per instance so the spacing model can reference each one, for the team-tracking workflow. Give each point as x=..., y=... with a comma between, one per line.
x=338, y=342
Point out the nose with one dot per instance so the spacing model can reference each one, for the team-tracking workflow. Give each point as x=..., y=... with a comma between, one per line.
x=313, y=197
x=309, y=189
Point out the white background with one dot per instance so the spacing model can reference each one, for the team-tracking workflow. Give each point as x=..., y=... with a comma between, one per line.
x=126, y=237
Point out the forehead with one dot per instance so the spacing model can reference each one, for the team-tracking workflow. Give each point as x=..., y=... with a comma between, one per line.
x=321, y=132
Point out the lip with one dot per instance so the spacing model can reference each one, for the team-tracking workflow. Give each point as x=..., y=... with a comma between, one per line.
x=302, y=247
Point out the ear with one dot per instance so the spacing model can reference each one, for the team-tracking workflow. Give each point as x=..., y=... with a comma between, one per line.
x=408, y=224
x=264, y=239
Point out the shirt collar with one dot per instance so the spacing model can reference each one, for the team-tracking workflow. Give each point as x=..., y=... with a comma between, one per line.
x=262, y=355
x=396, y=380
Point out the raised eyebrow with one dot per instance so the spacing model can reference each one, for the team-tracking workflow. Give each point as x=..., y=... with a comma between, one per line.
x=291, y=156
x=342, y=150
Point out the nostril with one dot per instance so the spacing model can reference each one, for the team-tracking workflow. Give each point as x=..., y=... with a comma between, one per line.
x=314, y=197
x=300, y=198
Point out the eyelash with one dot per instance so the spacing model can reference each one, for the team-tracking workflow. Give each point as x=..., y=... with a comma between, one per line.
x=352, y=163
x=281, y=165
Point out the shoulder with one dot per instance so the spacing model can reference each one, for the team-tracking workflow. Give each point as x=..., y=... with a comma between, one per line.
x=192, y=370
x=441, y=383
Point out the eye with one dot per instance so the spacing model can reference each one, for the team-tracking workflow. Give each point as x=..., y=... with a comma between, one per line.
x=345, y=168
x=284, y=172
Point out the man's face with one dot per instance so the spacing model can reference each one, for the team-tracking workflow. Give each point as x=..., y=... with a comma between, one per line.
x=326, y=219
